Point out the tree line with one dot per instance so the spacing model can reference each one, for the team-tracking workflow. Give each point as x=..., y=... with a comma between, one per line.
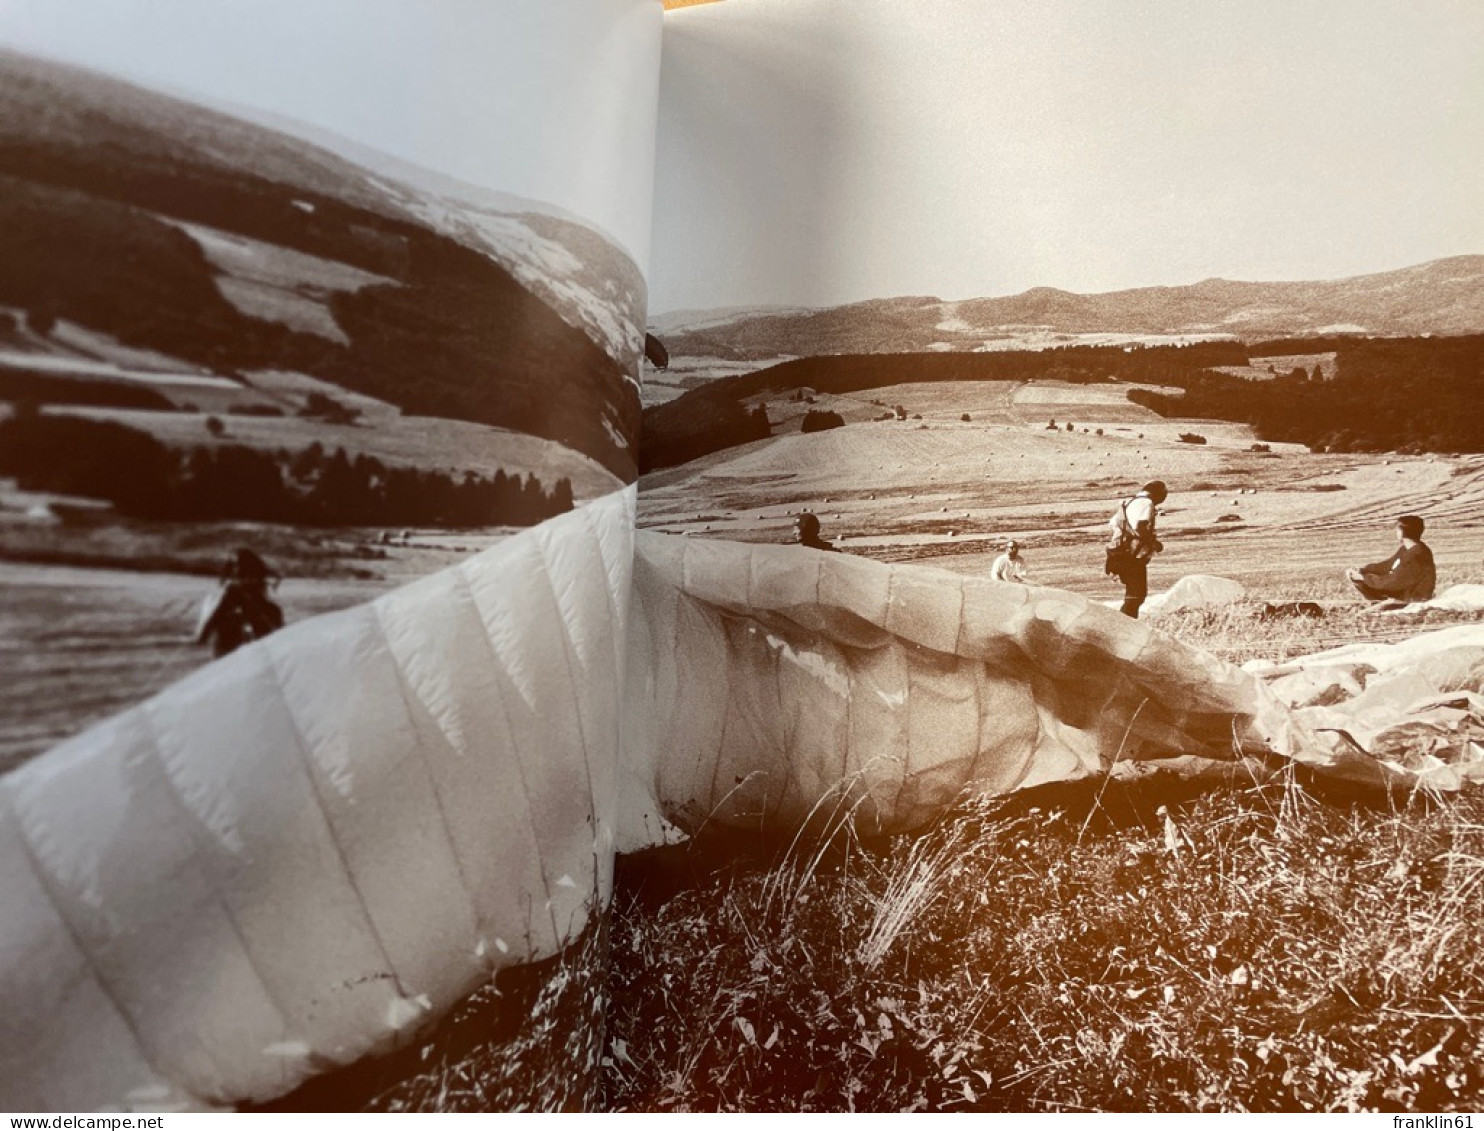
x=451, y=334
x=146, y=479
x=1387, y=394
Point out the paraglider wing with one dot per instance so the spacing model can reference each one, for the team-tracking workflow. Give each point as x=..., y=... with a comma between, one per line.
x=300, y=854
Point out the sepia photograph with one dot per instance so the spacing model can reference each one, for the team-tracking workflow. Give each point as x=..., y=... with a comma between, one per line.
x=1176, y=314
x=770, y=556
x=307, y=315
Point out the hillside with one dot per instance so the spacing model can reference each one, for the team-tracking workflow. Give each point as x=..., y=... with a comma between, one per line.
x=225, y=247
x=715, y=415
x=1445, y=296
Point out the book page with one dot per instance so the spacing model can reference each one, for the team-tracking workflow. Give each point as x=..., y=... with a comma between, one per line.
x=1066, y=453
x=320, y=330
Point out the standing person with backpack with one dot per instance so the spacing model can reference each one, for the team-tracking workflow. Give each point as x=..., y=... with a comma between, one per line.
x=1133, y=543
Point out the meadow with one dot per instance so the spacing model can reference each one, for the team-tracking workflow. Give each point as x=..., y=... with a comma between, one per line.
x=1240, y=937
x=1253, y=944
x=938, y=489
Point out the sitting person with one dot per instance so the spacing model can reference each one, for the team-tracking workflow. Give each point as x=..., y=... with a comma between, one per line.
x=1408, y=575
x=806, y=526
x=1009, y=566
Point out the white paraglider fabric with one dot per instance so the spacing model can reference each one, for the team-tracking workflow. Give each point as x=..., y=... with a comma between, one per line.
x=1195, y=591
x=296, y=856
x=765, y=677
x=304, y=852
x=1413, y=708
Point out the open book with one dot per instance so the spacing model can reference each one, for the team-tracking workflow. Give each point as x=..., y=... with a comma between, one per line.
x=421, y=493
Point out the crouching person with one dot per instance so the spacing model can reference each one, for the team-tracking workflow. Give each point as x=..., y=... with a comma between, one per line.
x=806, y=532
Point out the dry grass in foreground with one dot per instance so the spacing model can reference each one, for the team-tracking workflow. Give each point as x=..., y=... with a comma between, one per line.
x=1239, y=632
x=1246, y=948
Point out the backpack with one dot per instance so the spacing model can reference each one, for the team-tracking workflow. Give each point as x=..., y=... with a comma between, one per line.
x=1120, y=556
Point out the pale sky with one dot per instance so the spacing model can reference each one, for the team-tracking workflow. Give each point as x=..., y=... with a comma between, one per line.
x=821, y=151
x=548, y=99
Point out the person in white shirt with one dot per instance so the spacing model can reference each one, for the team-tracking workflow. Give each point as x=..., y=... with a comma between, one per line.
x=1009, y=566
x=1133, y=543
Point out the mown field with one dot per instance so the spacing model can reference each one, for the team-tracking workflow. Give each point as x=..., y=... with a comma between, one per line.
x=946, y=491
x=98, y=619
x=78, y=645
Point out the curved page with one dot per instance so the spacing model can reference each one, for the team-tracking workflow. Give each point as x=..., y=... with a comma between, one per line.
x=305, y=311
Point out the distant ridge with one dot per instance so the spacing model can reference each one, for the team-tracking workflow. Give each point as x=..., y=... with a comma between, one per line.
x=1444, y=296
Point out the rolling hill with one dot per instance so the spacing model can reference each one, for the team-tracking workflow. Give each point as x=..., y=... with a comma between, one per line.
x=1445, y=296
x=229, y=246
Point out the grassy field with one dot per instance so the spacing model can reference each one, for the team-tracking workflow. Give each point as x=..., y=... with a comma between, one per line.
x=78, y=645
x=1246, y=940
x=93, y=620
x=230, y=247
x=1236, y=938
